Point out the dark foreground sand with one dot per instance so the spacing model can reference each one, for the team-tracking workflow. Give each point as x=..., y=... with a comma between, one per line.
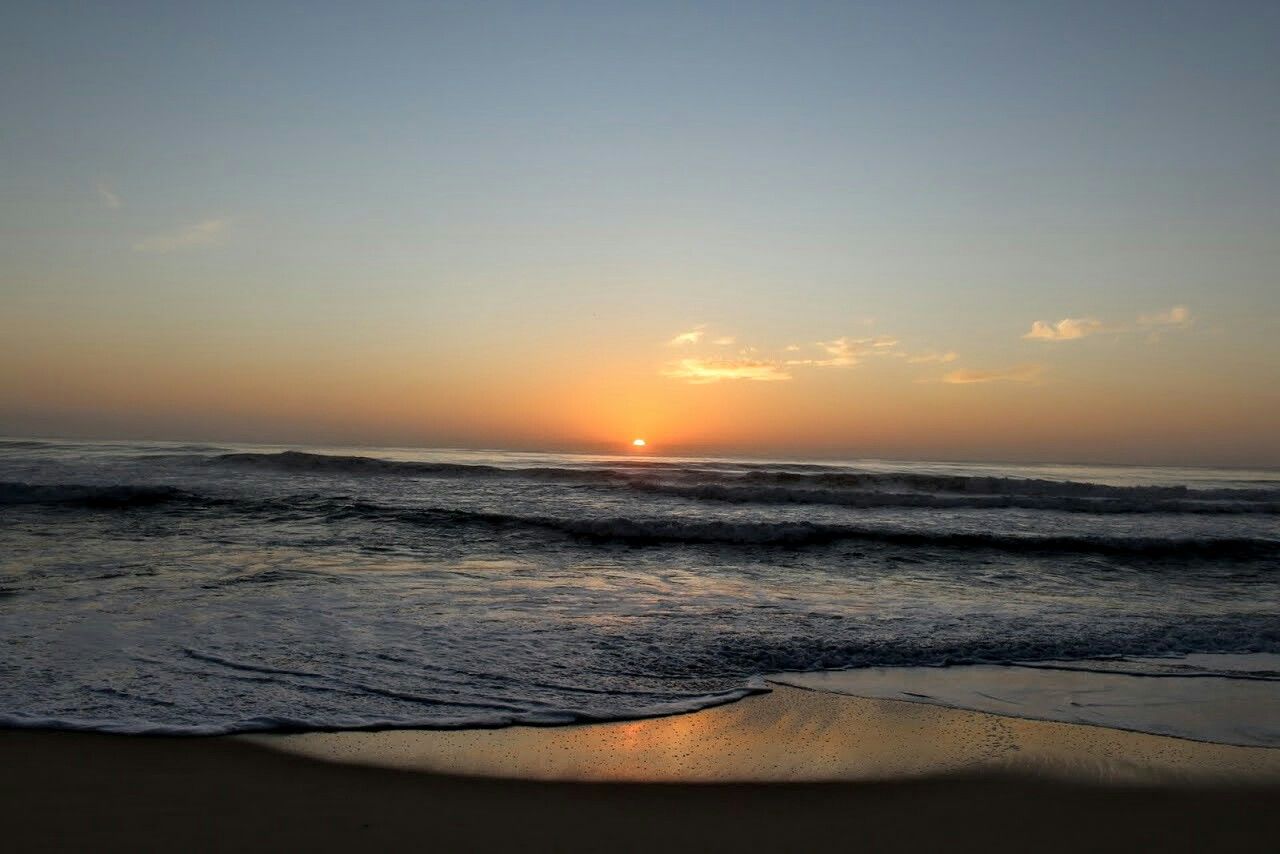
x=63, y=791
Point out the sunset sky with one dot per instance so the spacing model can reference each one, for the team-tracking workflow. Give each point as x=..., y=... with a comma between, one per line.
x=942, y=230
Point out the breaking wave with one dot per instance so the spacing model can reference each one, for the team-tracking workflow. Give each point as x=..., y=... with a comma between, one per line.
x=302, y=462
x=806, y=484
x=659, y=531
x=642, y=531
x=1122, y=500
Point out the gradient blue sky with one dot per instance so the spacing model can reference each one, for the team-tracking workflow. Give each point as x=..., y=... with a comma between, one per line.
x=483, y=223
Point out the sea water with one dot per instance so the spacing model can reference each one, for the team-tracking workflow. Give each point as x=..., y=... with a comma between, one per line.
x=170, y=588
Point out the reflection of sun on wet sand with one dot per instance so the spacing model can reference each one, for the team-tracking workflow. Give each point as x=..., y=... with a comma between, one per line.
x=899, y=776
x=791, y=735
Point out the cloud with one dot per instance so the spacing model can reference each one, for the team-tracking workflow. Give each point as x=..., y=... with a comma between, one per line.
x=845, y=352
x=198, y=234
x=702, y=371
x=1074, y=328
x=933, y=358
x=108, y=198
x=1177, y=316
x=1067, y=329
x=1016, y=374
x=842, y=353
x=693, y=336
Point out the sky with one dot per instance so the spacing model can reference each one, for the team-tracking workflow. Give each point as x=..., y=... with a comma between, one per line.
x=952, y=230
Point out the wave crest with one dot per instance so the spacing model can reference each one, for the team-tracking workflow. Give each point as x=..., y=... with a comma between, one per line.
x=1124, y=500
x=641, y=532
x=806, y=484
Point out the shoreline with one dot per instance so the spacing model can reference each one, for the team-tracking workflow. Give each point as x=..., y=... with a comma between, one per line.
x=1227, y=699
x=1213, y=698
x=790, y=769
x=797, y=734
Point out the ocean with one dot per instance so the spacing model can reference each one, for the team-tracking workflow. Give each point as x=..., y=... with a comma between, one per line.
x=151, y=587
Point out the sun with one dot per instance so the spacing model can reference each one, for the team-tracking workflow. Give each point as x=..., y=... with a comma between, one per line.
x=639, y=443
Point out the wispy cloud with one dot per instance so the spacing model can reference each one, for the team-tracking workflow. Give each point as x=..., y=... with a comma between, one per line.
x=1016, y=374
x=1075, y=328
x=702, y=371
x=106, y=196
x=845, y=352
x=197, y=234
x=841, y=353
x=933, y=358
x=1067, y=329
x=693, y=336
x=779, y=364
x=1177, y=316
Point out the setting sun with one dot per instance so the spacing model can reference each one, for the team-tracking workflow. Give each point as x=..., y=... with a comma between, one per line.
x=639, y=443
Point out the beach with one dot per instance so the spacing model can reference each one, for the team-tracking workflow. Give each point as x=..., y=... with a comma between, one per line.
x=789, y=770
x=639, y=427
x=242, y=647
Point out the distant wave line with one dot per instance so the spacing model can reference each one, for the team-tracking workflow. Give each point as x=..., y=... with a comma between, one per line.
x=643, y=530
x=774, y=483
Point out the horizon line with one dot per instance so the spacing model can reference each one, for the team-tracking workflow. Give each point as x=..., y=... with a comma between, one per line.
x=623, y=449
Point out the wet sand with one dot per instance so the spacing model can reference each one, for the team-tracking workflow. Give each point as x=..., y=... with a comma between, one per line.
x=790, y=770
x=792, y=735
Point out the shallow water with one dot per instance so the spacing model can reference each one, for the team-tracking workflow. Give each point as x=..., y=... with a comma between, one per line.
x=196, y=589
x=1229, y=699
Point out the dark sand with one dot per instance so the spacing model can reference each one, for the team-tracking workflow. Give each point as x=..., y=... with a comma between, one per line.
x=65, y=791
